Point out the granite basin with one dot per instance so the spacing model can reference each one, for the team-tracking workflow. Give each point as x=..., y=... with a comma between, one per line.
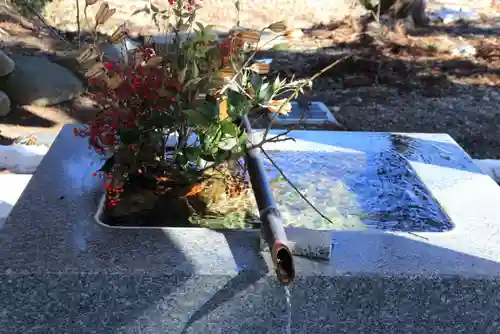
x=60, y=272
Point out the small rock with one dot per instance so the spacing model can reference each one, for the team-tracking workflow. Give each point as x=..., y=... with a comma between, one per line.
x=7, y=65
x=37, y=81
x=4, y=104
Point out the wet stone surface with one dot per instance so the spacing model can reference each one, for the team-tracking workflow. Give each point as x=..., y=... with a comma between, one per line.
x=375, y=188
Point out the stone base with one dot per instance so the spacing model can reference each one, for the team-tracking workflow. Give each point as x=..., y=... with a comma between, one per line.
x=61, y=272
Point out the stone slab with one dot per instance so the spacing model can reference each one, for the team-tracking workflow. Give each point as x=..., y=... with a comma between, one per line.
x=61, y=272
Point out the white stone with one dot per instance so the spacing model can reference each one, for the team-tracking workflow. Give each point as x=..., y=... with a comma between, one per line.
x=21, y=159
x=7, y=65
x=4, y=104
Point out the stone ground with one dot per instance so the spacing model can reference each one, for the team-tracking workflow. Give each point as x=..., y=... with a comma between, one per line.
x=392, y=83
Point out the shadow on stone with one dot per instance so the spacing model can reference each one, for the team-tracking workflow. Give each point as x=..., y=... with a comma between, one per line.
x=245, y=278
x=101, y=300
x=6, y=141
x=22, y=117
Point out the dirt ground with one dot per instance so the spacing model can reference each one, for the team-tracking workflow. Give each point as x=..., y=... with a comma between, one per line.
x=392, y=82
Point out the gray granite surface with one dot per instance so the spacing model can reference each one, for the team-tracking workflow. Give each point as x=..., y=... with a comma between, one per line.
x=60, y=272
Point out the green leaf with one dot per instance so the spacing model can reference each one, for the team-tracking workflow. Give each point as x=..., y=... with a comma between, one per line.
x=242, y=139
x=195, y=72
x=195, y=117
x=209, y=37
x=209, y=27
x=230, y=128
x=265, y=92
x=222, y=155
x=201, y=27
x=277, y=83
x=238, y=105
x=237, y=5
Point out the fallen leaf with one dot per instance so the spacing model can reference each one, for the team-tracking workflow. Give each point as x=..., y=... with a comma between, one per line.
x=195, y=190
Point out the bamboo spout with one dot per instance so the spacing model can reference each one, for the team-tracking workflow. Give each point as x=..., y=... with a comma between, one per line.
x=272, y=222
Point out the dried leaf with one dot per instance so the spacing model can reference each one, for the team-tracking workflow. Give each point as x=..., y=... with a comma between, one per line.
x=110, y=13
x=223, y=109
x=90, y=2
x=277, y=27
x=248, y=36
x=162, y=178
x=101, y=13
x=114, y=82
x=260, y=68
x=195, y=190
x=86, y=55
x=118, y=35
x=282, y=107
x=95, y=71
x=142, y=10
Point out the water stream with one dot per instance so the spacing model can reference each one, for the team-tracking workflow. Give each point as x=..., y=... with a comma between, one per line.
x=288, y=296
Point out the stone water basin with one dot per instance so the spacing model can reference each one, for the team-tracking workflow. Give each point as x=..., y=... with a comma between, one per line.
x=363, y=181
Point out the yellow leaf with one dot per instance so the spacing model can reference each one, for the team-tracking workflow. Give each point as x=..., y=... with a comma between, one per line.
x=277, y=27
x=280, y=106
x=223, y=109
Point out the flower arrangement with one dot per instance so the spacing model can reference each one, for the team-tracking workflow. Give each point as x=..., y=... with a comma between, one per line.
x=168, y=128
